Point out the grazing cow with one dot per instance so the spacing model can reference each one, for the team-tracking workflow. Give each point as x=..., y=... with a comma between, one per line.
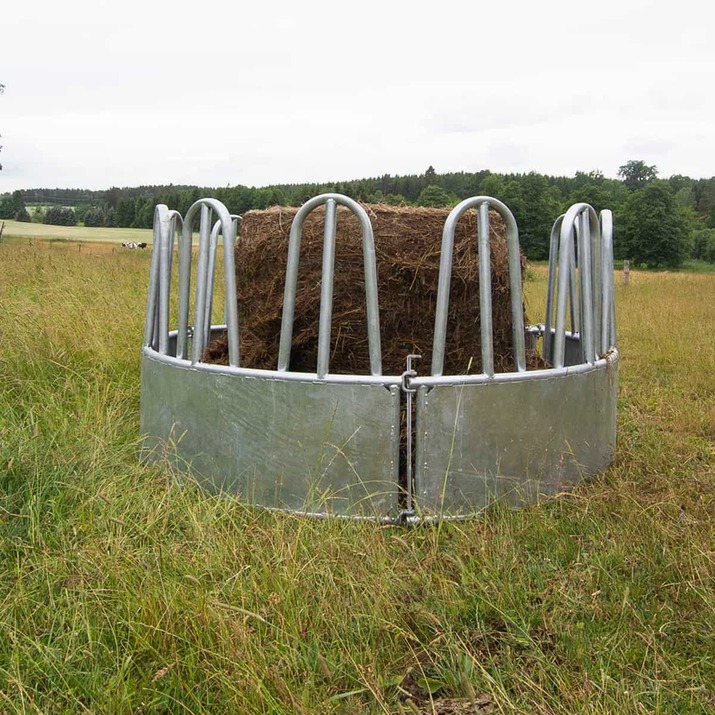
x=129, y=244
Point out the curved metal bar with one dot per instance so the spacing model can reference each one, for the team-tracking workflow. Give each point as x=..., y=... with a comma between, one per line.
x=391, y=380
x=198, y=340
x=588, y=225
x=586, y=288
x=156, y=329
x=166, y=259
x=526, y=377
x=176, y=226
x=608, y=315
x=373, y=314
x=573, y=288
x=288, y=376
x=565, y=241
x=211, y=268
x=445, y=278
x=228, y=231
x=150, y=320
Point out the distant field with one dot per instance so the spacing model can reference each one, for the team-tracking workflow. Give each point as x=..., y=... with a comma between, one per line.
x=40, y=231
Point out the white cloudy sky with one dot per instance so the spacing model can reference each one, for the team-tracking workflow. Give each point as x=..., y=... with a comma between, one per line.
x=215, y=93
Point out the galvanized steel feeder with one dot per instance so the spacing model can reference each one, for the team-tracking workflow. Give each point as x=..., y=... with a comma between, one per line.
x=329, y=444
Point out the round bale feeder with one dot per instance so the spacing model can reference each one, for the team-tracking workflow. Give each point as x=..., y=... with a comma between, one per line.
x=288, y=405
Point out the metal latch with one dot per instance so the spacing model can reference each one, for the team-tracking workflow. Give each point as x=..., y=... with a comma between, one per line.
x=409, y=511
x=408, y=374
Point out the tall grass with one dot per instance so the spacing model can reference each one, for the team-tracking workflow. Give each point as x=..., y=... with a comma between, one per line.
x=126, y=589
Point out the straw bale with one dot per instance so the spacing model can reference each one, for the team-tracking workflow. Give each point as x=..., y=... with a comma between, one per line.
x=407, y=244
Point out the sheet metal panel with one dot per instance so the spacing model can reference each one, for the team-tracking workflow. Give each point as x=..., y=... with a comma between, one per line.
x=572, y=349
x=305, y=446
x=512, y=441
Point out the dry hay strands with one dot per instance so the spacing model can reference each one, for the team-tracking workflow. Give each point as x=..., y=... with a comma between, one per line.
x=408, y=245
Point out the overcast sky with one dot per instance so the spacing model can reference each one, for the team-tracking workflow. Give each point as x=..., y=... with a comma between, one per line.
x=220, y=93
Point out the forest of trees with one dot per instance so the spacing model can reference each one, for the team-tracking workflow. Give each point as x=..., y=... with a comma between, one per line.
x=659, y=222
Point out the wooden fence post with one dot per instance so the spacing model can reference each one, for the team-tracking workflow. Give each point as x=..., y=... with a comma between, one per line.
x=626, y=272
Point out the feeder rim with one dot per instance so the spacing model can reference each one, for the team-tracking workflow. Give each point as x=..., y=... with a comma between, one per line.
x=606, y=361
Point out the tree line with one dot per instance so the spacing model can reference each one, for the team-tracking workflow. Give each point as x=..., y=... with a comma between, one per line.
x=660, y=222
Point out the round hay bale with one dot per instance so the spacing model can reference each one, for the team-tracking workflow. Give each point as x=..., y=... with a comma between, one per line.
x=407, y=244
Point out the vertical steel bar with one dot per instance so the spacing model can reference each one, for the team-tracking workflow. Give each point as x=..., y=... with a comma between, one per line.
x=326, y=288
x=291, y=281
x=371, y=297
x=176, y=226
x=485, y=289
x=229, y=229
x=211, y=272
x=574, y=304
x=565, y=249
x=550, y=286
x=199, y=337
x=184, y=288
x=166, y=246
x=516, y=289
x=236, y=222
x=166, y=261
x=443, y=284
x=155, y=332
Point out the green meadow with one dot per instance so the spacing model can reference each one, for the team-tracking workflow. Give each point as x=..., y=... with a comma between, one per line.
x=124, y=588
x=41, y=231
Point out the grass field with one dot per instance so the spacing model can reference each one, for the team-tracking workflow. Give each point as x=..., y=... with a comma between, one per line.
x=125, y=589
x=40, y=231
